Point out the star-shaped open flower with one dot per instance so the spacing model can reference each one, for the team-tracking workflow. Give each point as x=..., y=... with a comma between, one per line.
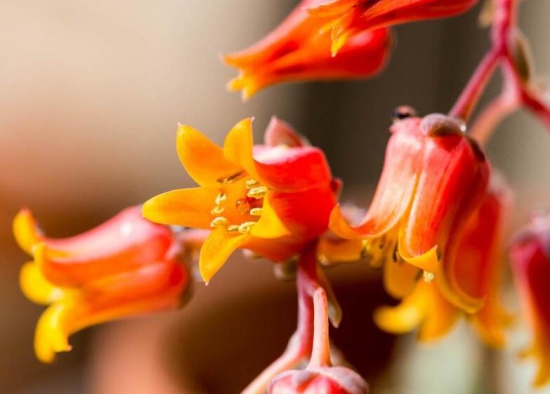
x=272, y=199
x=125, y=267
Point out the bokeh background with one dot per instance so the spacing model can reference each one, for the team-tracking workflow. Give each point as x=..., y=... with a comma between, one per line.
x=90, y=95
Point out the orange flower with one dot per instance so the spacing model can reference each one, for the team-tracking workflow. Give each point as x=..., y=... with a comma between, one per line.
x=297, y=51
x=272, y=199
x=433, y=176
x=349, y=17
x=125, y=267
x=530, y=255
x=472, y=265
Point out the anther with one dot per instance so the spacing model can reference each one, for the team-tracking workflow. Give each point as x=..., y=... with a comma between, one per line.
x=257, y=192
x=256, y=211
x=250, y=183
x=219, y=221
x=246, y=227
x=220, y=198
x=428, y=276
x=232, y=228
x=217, y=210
x=231, y=178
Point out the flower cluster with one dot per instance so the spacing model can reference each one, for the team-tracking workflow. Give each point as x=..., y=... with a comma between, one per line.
x=435, y=226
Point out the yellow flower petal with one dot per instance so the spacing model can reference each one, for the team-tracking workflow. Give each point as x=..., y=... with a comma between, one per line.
x=203, y=160
x=36, y=287
x=51, y=336
x=428, y=261
x=337, y=250
x=400, y=278
x=216, y=250
x=238, y=147
x=26, y=231
x=340, y=225
x=424, y=309
x=270, y=224
x=184, y=207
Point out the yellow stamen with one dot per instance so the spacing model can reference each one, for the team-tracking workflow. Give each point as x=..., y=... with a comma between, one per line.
x=257, y=192
x=250, y=183
x=232, y=228
x=220, y=198
x=219, y=221
x=246, y=227
x=256, y=211
x=428, y=276
x=217, y=210
x=231, y=178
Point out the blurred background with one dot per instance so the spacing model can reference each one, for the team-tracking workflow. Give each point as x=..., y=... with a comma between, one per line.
x=90, y=95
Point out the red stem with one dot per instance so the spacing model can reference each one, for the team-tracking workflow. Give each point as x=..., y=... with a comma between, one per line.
x=301, y=344
x=517, y=91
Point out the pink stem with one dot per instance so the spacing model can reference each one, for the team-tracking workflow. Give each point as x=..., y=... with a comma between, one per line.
x=471, y=94
x=500, y=33
x=517, y=92
x=491, y=116
x=301, y=344
x=320, y=356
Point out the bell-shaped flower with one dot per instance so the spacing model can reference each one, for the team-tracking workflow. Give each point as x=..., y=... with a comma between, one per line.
x=530, y=256
x=320, y=376
x=272, y=199
x=349, y=17
x=125, y=267
x=298, y=50
x=469, y=284
x=433, y=176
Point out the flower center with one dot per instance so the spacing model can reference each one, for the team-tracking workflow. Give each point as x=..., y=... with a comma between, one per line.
x=238, y=205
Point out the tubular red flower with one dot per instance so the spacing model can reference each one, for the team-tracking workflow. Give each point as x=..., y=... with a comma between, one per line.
x=433, y=176
x=347, y=17
x=272, y=199
x=298, y=51
x=471, y=275
x=530, y=256
x=125, y=267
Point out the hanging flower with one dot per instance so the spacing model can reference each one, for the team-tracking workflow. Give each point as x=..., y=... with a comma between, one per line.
x=125, y=267
x=272, y=199
x=472, y=266
x=349, y=17
x=433, y=176
x=530, y=255
x=297, y=51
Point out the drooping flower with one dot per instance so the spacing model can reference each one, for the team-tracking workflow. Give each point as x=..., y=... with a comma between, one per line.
x=530, y=256
x=125, y=267
x=471, y=271
x=349, y=17
x=320, y=376
x=297, y=50
x=272, y=199
x=434, y=176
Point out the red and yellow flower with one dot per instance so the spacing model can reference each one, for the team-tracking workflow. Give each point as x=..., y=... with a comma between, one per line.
x=298, y=51
x=272, y=199
x=434, y=176
x=472, y=267
x=349, y=17
x=530, y=255
x=123, y=268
